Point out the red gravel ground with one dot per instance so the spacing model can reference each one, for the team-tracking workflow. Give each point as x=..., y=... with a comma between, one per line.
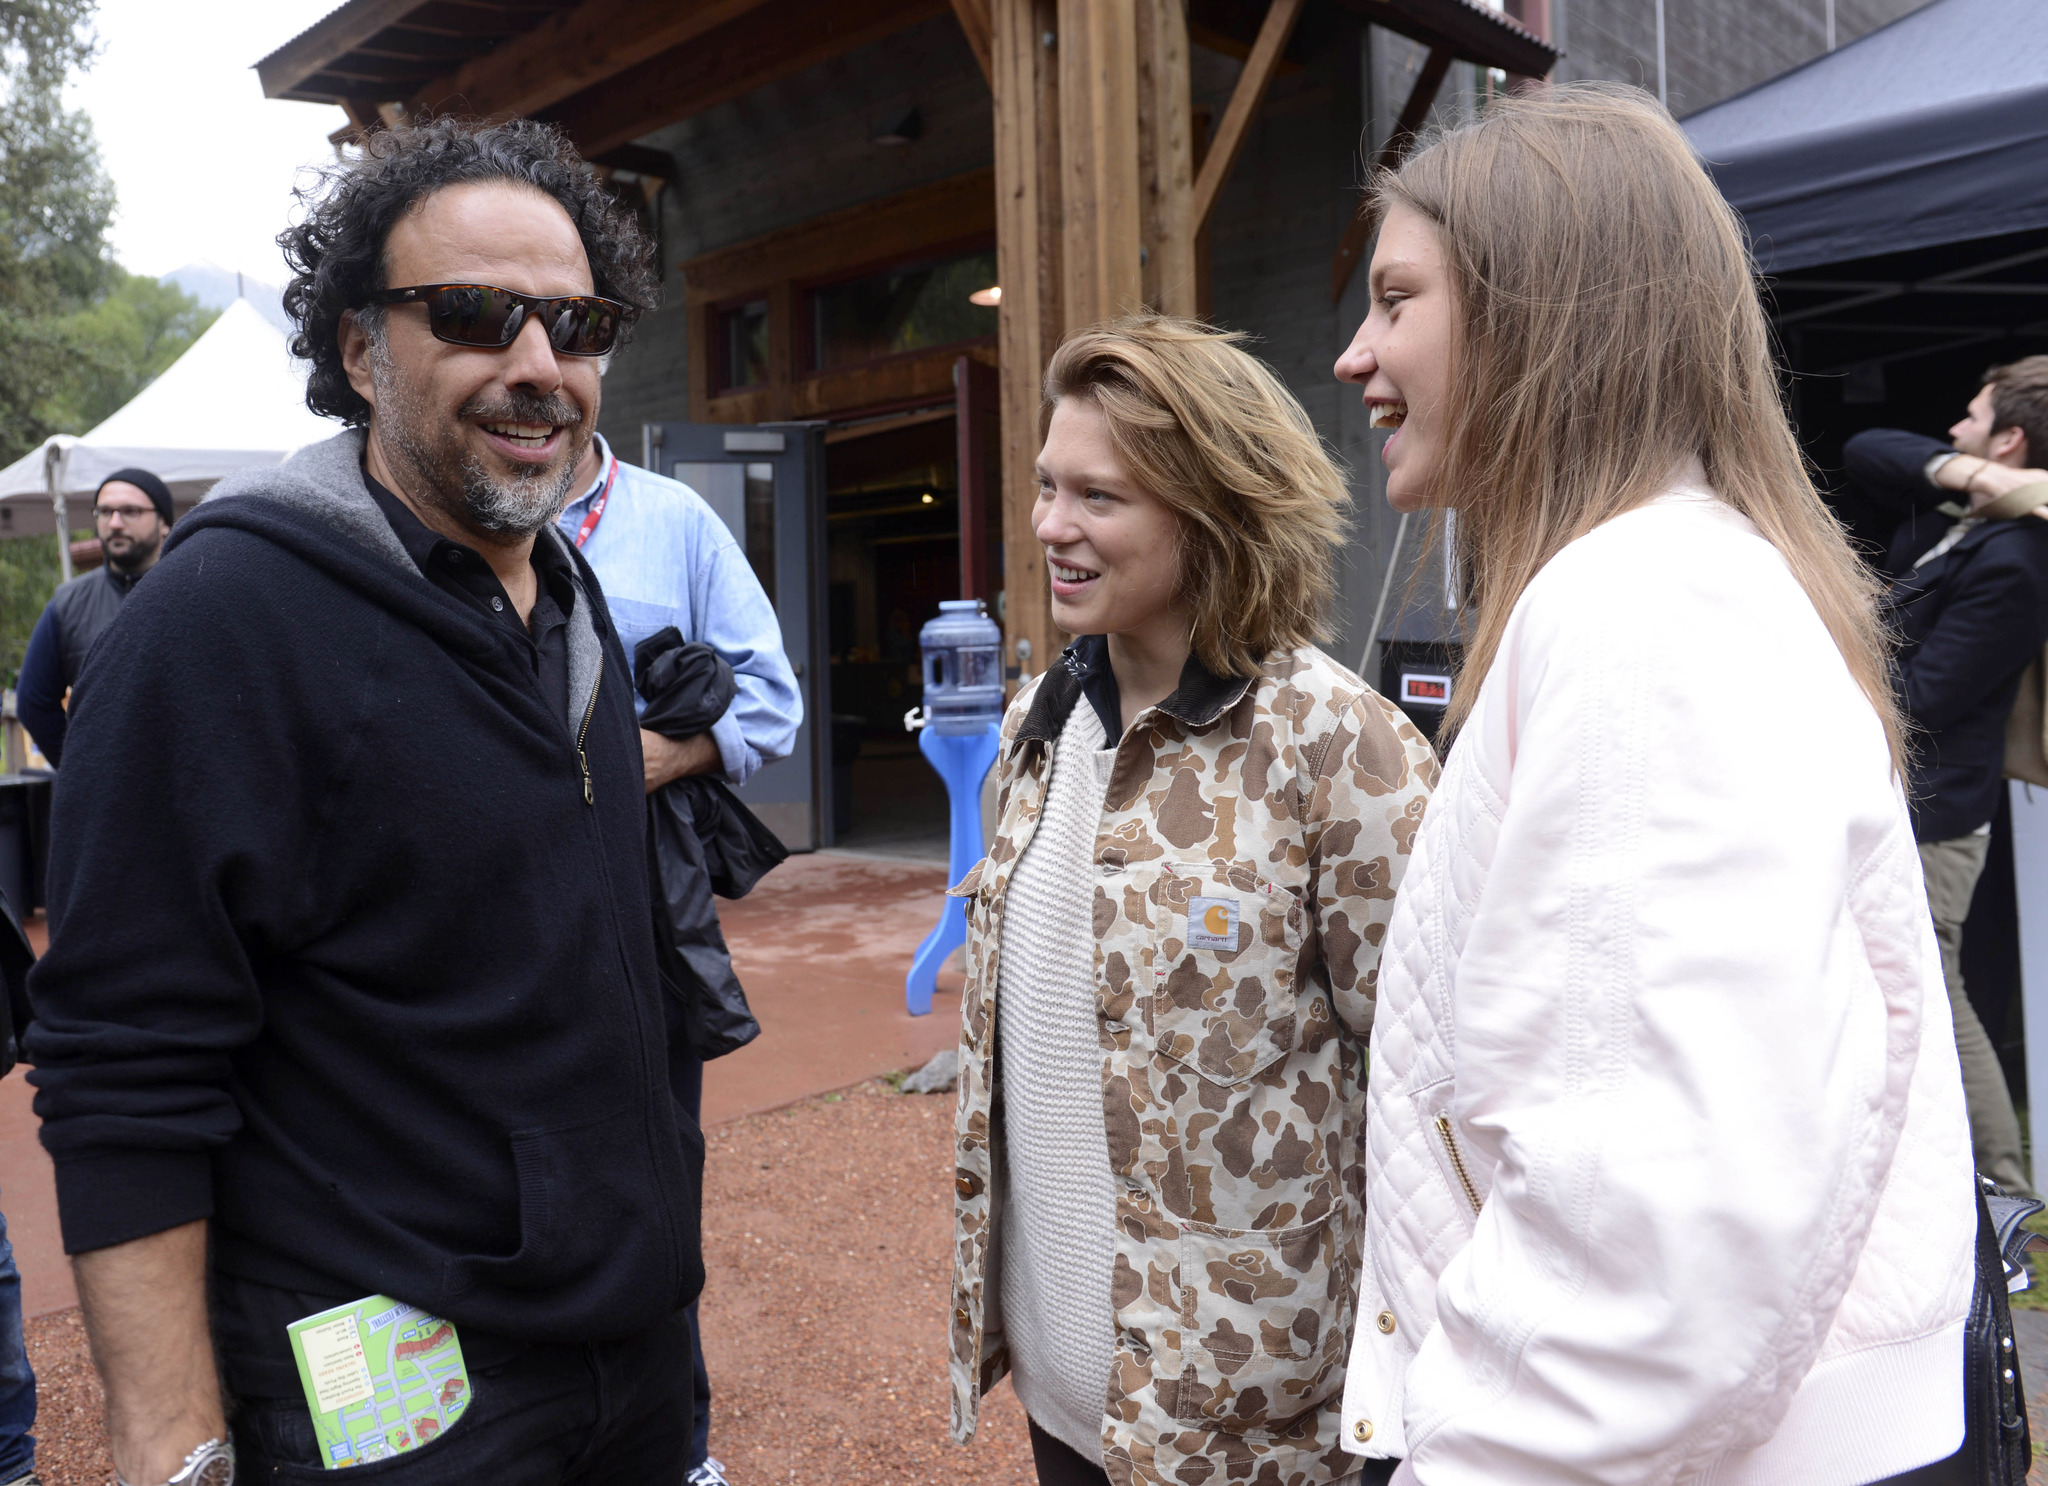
x=827, y=1238
x=71, y=1439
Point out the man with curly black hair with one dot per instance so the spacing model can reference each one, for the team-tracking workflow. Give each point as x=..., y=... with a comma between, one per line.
x=351, y=998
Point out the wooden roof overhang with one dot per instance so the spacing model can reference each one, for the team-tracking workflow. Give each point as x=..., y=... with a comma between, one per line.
x=1097, y=199
x=612, y=71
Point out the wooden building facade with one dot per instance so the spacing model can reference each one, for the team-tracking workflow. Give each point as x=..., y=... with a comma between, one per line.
x=838, y=189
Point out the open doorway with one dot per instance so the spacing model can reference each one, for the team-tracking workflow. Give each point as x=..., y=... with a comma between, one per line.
x=892, y=523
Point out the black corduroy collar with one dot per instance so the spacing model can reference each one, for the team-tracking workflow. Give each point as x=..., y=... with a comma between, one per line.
x=1199, y=700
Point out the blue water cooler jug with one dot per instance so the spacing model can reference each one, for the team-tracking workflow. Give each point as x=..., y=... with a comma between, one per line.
x=963, y=670
x=963, y=716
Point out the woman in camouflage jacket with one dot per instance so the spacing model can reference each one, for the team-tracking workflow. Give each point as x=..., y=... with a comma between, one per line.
x=1160, y=1179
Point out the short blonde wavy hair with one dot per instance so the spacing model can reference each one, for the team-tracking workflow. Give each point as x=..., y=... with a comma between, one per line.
x=1213, y=433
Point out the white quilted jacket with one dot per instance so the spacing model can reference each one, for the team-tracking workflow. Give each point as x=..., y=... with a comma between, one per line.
x=1669, y=1173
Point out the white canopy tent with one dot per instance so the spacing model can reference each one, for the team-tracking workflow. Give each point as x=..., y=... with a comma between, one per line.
x=234, y=400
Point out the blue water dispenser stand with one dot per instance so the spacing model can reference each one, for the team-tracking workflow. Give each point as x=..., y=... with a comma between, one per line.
x=959, y=729
x=963, y=763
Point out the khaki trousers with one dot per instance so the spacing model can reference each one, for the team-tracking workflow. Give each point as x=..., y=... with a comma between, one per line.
x=1952, y=868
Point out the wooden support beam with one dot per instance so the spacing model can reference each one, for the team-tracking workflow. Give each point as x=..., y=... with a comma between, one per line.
x=1413, y=113
x=924, y=218
x=1224, y=44
x=570, y=51
x=976, y=421
x=1205, y=278
x=1244, y=102
x=1024, y=51
x=1166, y=168
x=362, y=114
x=641, y=160
x=1102, y=241
x=1532, y=16
x=364, y=119
x=978, y=24
x=763, y=46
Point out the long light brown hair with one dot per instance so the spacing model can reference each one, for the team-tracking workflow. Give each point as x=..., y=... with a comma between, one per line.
x=1212, y=432
x=1609, y=332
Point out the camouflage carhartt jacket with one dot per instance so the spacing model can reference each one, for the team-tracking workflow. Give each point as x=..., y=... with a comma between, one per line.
x=1252, y=835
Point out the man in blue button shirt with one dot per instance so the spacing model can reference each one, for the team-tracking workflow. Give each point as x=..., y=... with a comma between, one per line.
x=663, y=557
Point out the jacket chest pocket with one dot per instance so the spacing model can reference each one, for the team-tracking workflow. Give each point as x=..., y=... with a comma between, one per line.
x=1222, y=947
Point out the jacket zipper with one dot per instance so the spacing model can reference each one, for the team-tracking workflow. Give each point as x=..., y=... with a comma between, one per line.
x=1443, y=1128
x=582, y=733
x=654, y=1063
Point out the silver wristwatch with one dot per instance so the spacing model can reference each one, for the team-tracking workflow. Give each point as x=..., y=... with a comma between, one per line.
x=212, y=1464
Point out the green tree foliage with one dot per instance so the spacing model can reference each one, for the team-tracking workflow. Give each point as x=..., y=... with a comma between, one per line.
x=55, y=206
x=120, y=344
x=28, y=576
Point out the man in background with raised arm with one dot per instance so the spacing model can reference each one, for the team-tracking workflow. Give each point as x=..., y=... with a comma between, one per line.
x=351, y=1003
x=1969, y=602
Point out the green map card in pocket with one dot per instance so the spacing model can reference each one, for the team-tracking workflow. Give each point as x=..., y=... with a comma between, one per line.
x=381, y=1377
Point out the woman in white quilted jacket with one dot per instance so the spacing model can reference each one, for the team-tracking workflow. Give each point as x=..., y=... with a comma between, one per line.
x=1668, y=1173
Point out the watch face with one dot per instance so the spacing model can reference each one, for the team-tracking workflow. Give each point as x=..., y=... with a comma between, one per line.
x=219, y=1471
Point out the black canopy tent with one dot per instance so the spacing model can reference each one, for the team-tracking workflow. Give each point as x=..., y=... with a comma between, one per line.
x=1954, y=172
x=1896, y=193
x=1924, y=132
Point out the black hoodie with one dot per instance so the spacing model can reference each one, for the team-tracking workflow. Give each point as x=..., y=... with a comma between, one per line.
x=348, y=951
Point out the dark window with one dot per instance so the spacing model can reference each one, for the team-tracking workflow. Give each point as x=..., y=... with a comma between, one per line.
x=743, y=345
x=905, y=309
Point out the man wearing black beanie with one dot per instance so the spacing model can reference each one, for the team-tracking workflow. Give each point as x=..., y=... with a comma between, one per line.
x=132, y=513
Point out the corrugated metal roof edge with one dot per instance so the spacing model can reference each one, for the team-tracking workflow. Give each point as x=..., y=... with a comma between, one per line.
x=335, y=33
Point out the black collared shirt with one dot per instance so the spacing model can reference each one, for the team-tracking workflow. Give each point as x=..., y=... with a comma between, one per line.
x=463, y=572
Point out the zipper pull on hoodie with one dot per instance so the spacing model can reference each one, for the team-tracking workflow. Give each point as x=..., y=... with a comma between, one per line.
x=582, y=733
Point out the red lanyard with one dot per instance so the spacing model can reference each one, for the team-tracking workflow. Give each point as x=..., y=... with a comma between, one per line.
x=596, y=512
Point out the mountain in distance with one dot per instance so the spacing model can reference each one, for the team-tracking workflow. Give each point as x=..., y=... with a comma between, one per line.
x=216, y=288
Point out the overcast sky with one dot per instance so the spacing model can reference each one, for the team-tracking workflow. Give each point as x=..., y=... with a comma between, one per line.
x=204, y=164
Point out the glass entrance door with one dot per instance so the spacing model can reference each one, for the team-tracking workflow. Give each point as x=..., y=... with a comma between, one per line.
x=766, y=481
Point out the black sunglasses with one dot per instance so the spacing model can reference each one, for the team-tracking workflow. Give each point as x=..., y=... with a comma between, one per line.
x=487, y=316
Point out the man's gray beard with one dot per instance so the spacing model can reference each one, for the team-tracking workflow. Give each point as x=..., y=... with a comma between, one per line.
x=519, y=506
x=453, y=479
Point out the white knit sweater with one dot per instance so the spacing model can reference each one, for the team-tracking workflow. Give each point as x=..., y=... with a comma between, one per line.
x=1059, y=1211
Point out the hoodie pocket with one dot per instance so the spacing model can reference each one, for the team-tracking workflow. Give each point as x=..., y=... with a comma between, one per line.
x=1223, y=946
x=585, y=1191
x=1265, y=1322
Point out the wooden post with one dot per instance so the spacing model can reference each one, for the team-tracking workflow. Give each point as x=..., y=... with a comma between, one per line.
x=1358, y=232
x=975, y=21
x=1094, y=185
x=1166, y=168
x=975, y=422
x=1245, y=98
x=1024, y=52
x=1098, y=112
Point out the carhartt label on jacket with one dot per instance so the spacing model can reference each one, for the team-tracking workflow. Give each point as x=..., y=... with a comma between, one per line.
x=1212, y=923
